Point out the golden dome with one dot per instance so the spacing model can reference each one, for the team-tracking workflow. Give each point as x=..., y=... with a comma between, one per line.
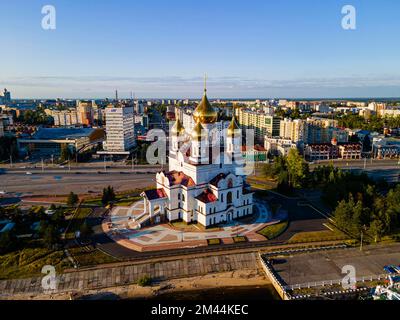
x=198, y=132
x=177, y=128
x=205, y=113
x=233, y=127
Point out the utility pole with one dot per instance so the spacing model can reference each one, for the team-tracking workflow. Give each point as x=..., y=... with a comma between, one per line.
x=42, y=165
x=361, y=244
x=52, y=160
x=11, y=163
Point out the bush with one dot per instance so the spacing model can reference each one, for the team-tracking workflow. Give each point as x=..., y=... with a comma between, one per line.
x=144, y=281
x=213, y=241
x=239, y=239
x=274, y=230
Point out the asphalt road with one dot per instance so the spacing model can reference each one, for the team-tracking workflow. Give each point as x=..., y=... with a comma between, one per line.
x=388, y=170
x=62, y=183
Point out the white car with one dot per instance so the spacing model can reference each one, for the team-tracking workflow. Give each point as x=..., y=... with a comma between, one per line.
x=2, y=192
x=28, y=173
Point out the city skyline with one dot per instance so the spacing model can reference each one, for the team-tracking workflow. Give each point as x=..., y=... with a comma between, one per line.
x=249, y=50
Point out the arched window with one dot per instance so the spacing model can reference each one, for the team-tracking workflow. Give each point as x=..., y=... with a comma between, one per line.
x=183, y=197
x=229, y=198
x=222, y=197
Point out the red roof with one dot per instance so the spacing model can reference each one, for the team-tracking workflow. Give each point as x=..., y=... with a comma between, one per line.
x=207, y=196
x=155, y=194
x=217, y=179
x=176, y=178
x=257, y=147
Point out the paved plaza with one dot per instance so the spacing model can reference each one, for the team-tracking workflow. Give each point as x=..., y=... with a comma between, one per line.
x=122, y=228
x=327, y=265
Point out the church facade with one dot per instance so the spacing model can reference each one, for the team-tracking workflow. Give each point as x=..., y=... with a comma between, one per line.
x=205, y=182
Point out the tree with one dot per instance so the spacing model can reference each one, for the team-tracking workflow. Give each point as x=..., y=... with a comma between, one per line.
x=72, y=200
x=295, y=168
x=85, y=230
x=65, y=153
x=377, y=229
x=8, y=241
x=50, y=236
x=108, y=195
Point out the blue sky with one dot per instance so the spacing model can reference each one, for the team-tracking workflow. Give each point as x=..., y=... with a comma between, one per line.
x=160, y=48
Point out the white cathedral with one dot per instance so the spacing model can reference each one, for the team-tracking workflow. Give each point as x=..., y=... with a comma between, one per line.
x=205, y=183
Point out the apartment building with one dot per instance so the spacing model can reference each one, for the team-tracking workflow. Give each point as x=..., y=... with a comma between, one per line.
x=292, y=129
x=119, y=129
x=85, y=113
x=277, y=146
x=262, y=123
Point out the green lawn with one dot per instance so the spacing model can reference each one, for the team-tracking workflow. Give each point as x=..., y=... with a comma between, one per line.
x=89, y=256
x=273, y=231
x=324, y=235
x=127, y=201
x=213, y=241
x=29, y=262
x=76, y=221
x=239, y=239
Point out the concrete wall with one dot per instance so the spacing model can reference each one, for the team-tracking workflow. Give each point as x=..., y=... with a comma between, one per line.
x=128, y=274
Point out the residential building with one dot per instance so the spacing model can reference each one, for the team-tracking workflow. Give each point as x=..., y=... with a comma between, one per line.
x=385, y=148
x=292, y=129
x=254, y=154
x=332, y=150
x=119, y=129
x=278, y=146
x=85, y=112
x=262, y=124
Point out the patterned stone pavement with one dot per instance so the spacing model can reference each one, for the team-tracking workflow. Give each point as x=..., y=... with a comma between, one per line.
x=162, y=236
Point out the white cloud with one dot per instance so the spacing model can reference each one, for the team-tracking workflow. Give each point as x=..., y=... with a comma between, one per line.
x=175, y=86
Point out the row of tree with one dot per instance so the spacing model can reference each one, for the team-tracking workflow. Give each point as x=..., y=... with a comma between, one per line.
x=370, y=211
x=8, y=147
x=35, y=117
x=373, y=123
x=291, y=171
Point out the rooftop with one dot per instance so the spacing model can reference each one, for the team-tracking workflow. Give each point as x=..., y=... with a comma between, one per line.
x=62, y=133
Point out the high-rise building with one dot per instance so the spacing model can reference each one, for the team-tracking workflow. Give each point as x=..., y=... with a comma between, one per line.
x=319, y=130
x=292, y=129
x=64, y=118
x=119, y=129
x=263, y=124
x=5, y=98
x=85, y=112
